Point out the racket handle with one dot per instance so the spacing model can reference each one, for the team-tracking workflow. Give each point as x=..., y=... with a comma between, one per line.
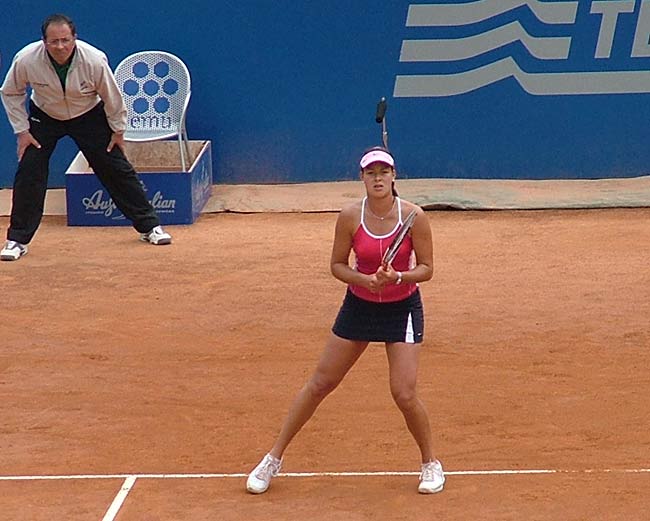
x=381, y=110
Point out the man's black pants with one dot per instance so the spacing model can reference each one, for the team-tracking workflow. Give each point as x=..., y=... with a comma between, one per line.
x=92, y=134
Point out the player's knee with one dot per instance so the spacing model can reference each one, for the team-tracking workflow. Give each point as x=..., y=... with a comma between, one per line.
x=404, y=396
x=320, y=386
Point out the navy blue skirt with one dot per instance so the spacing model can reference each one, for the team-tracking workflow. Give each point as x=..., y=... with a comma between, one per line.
x=401, y=321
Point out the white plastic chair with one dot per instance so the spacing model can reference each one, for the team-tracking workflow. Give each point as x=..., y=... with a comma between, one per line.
x=156, y=89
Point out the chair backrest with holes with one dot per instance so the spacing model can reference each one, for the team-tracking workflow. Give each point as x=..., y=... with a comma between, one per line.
x=156, y=89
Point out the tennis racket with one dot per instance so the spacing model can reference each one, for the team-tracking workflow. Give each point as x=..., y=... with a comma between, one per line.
x=390, y=253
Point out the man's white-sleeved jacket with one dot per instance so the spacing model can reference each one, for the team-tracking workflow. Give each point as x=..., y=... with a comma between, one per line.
x=89, y=80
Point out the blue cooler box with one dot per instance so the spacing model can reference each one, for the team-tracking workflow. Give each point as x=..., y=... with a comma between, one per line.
x=177, y=196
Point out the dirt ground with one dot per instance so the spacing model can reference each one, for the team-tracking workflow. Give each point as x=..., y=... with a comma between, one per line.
x=123, y=358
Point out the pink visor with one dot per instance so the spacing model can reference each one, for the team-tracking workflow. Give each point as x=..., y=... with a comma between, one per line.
x=374, y=156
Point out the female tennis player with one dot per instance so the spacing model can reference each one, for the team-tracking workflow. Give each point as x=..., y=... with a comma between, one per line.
x=382, y=304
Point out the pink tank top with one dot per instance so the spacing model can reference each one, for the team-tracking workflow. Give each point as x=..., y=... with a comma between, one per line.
x=368, y=251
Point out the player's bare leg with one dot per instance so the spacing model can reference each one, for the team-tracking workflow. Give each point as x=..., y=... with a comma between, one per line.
x=403, y=363
x=337, y=359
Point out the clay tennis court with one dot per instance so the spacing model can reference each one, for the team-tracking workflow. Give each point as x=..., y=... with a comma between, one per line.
x=167, y=371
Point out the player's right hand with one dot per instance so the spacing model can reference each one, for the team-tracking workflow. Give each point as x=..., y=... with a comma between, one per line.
x=374, y=283
x=24, y=140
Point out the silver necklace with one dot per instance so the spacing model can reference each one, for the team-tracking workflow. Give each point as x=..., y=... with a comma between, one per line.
x=387, y=214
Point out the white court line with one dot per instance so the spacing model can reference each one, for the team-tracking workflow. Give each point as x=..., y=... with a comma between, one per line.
x=119, y=499
x=506, y=472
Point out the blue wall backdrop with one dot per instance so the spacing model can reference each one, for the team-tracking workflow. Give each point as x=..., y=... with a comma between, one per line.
x=287, y=91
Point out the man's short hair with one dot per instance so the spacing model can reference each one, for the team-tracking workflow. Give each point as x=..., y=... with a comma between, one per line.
x=58, y=19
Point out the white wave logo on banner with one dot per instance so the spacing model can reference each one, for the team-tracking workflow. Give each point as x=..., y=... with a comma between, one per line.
x=542, y=48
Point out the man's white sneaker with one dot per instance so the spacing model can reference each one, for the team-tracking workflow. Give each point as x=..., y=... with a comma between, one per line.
x=156, y=236
x=259, y=480
x=13, y=251
x=432, y=478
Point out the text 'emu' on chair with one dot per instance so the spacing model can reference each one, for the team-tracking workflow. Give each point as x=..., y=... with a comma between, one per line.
x=156, y=89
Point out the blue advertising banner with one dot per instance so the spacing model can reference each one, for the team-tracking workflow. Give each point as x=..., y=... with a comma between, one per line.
x=287, y=92
x=177, y=196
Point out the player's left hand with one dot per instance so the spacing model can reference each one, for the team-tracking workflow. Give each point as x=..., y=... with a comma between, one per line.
x=386, y=275
x=117, y=140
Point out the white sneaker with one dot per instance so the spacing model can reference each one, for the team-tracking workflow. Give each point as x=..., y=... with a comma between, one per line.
x=432, y=478
x=156, y=236
x=259, y=480
x=13, y=251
